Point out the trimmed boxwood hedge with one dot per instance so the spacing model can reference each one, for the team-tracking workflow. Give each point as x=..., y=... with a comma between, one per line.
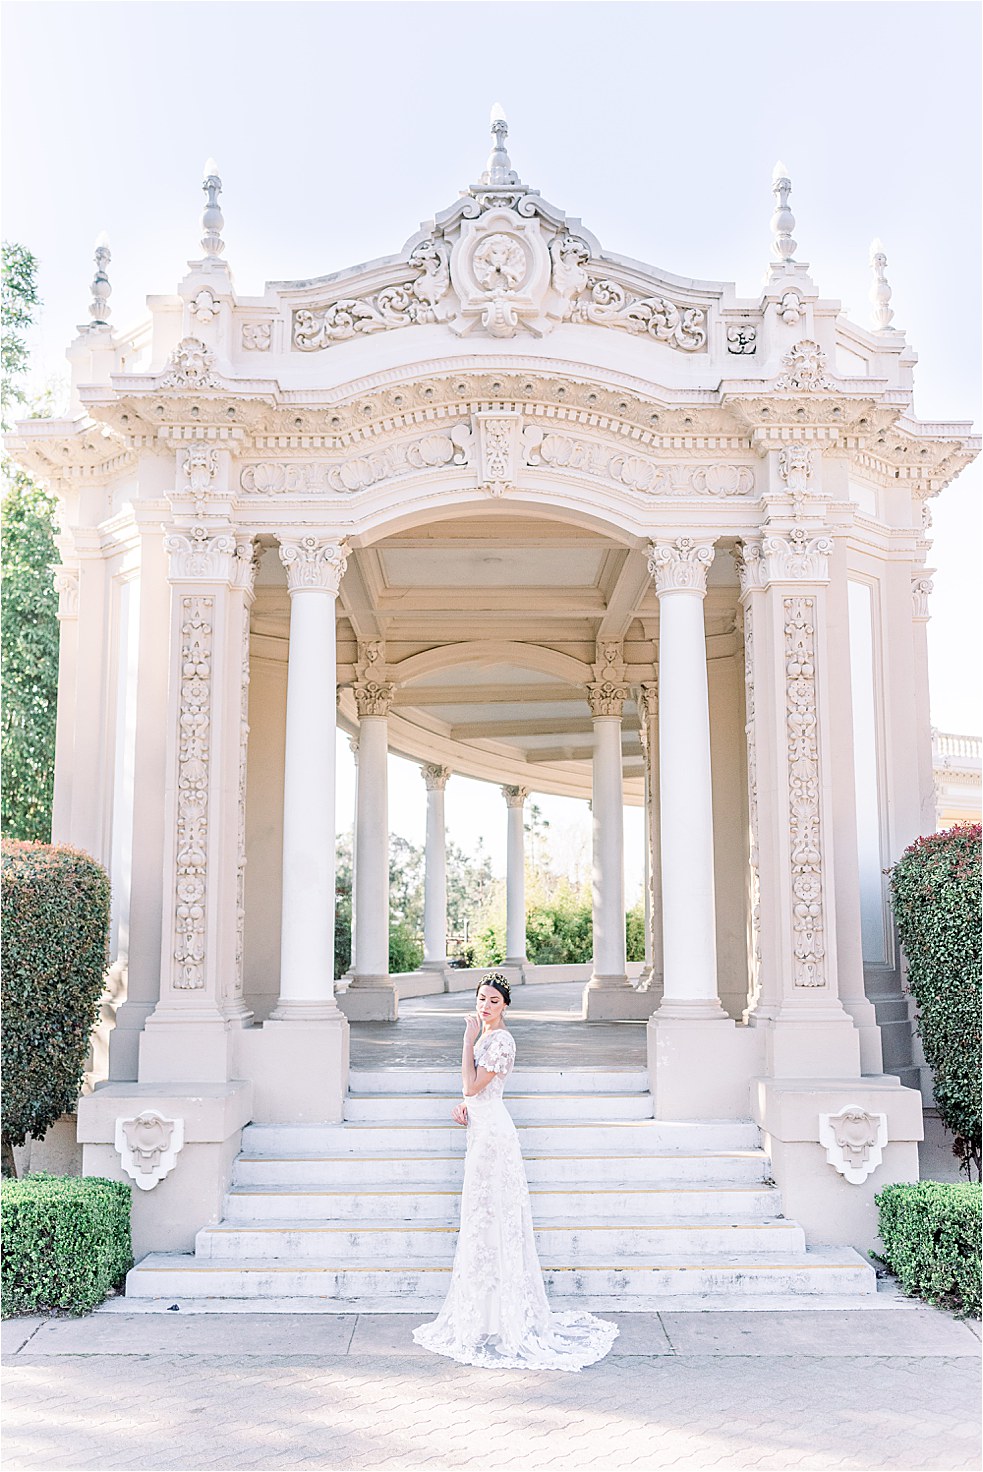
x=66, y=1242
x=55, y=912
x=935, y=890
x=931, y=1235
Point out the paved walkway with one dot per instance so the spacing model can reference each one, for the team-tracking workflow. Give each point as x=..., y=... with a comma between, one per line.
x=890, y=1387
x=545, y=1018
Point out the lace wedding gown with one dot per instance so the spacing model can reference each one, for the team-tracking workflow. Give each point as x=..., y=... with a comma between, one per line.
x=496, y=1314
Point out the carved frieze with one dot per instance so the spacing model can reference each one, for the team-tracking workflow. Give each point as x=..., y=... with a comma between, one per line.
x=854, y=1140
x=802, y=767
x=148, y=1146
x=638, y=472
x=286, y=478
x=610, y=305
x=680, y=566
x=194, y=760
x=313, y=562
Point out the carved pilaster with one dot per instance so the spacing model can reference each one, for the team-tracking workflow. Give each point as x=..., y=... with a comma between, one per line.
x=796, y=557
x=201, y=556
x=680, y=565
x=194, y=765
x=754, y=876
x=312, y=562
x=804, y=821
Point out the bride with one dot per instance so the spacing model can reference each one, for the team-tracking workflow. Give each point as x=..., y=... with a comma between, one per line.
x=496, y=1313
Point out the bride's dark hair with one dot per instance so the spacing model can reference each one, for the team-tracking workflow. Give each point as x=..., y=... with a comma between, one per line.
x=499, y=982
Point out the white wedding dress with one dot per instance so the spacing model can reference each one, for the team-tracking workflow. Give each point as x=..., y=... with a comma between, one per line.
x=496, y=1314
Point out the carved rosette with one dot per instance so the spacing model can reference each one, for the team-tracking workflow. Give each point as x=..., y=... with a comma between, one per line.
x=257, y=337
x=66, y=583
x=680, y=566
x=921, y=590
x=194, y=759
x=802, y=763
x=148, y=1146
x=312, y=562
x=742, y=339
x=854, y=1140
x=435, y=776
x=515, y=797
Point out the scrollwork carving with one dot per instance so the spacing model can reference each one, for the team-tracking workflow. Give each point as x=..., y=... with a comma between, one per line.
x=276, y=478
x=742, y=339
x=802, y=764
x=200, y=556
x=413, y=301
x=66, y=583
x=257, y=337
x=797, y=556
x=921, y=590
x=609, y=304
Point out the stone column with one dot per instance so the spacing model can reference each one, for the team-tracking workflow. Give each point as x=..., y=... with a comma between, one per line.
x=372, y=995
x=607, y=993
x=689, y=923
x=89, y=754
x=435, y=873
x=515, y=881
x=647, y=700
x=315, y=567
x=807, y=1032
x=353, y=748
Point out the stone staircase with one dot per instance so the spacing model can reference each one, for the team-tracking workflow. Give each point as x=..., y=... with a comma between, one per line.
x=629, y=1211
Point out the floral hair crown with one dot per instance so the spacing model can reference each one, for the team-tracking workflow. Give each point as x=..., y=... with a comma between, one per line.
x=497, y=979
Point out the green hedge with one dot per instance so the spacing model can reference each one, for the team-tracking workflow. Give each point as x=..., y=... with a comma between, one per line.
x=931, y=1235
x=935, y=890
x=66, y=1242
x=55, y=912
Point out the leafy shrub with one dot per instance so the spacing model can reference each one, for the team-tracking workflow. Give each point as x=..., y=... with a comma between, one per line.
x=66, y=1242
x=405, y=950
x=560, y=933
x=931, y=1236
x=935, y=890
x=55, y=911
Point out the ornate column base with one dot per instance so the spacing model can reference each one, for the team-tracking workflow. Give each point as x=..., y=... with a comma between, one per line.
x=614, y=999
x=701, y=1068
x=370, y=999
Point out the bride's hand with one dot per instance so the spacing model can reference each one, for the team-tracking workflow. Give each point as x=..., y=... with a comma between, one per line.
x=459, y=1114
x=471, y=1029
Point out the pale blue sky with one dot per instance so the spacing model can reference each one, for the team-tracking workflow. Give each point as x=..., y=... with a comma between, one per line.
x=339, y=127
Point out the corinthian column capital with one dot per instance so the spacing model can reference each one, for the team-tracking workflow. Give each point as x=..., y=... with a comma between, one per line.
x=680, y=565
x=313, y=562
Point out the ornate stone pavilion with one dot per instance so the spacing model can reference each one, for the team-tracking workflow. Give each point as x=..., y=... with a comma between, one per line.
x=523, y=509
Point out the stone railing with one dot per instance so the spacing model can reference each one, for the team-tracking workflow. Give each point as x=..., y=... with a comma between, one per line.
x=949, y=748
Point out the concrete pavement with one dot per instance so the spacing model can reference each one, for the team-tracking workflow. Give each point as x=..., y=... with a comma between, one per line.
x=891, y=1387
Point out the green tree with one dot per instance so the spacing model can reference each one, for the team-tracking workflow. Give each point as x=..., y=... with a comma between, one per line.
x=29, y=636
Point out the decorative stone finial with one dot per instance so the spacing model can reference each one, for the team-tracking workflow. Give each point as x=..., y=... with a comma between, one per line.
x=99, y=309
x=782, y=221
x=880, y=291
x=499, y=168
x=212, y=218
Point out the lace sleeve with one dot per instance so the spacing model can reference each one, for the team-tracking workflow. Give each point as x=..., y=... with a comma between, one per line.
x=499, y=1055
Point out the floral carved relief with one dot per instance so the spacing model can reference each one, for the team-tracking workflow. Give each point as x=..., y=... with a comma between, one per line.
x=413, y=301
x=754, y=884
x=805, y=369
x=802, y=761
x=609, y=304
x=194, y=757
x=257, y=337
x=681, y=565
x=313, y=562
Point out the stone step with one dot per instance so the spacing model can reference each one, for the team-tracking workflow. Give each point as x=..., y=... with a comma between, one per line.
x=584, y=1245
x=555, y=1108
x=584, y=1135
x=522, y=1080
x=380, y=1287
x=581, y=1203
x=368, y=1170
